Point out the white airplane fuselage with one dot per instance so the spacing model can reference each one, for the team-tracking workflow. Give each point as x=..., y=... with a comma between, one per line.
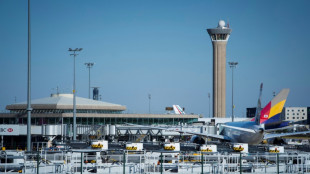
x=243, y=132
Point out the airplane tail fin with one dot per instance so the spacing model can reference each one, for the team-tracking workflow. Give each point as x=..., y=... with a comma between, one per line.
x=178, y=110
x=272, y=111
x=259, y=105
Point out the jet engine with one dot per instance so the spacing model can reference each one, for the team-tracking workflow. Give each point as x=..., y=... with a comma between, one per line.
x=197, y=140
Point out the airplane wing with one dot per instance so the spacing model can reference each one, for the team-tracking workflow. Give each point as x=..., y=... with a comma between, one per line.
x=240, y=128
x=291, y=134
x=220, y=137
x=285, y=128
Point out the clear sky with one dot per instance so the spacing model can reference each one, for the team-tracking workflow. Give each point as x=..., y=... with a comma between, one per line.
x=155, y=47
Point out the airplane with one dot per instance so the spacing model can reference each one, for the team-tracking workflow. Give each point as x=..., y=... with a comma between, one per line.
x=272, y=122
x=254, y=132
x=250, y=132
x=178, y=110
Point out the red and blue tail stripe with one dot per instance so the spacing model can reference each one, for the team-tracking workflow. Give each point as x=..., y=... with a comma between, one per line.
x=271, y=113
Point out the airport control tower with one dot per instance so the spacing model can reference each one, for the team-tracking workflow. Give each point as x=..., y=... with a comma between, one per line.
x=219, y=37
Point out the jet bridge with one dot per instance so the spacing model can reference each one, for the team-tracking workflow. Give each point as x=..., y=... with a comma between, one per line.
x=88, y=132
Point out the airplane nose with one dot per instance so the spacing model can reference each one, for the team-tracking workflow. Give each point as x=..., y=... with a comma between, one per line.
x=261, y=130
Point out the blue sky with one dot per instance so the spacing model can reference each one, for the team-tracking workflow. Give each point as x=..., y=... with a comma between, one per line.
x=155, y=47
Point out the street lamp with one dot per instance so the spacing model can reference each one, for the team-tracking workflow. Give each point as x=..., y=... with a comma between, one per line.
x=89, y=65
x=29, y=109
x=149, y=103
x=209, y=105
x=74, y=99
x=232, y=65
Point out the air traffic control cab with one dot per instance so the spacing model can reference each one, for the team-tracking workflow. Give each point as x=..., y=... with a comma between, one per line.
x=220, y=33
x=219, y=37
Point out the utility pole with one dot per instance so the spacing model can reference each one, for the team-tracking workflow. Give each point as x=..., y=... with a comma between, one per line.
x=74, y=95
x=209, y=105
x=232, y=65
x=149, y=103
x=89, y=65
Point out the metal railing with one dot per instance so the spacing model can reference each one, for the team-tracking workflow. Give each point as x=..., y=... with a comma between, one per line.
x=150, y=162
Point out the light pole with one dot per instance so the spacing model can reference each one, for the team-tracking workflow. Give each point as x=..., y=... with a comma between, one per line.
x=74, y=99
x=29, y=109
x=89, y=65
x=149, y=103
x=232, y=65
x=209, y=105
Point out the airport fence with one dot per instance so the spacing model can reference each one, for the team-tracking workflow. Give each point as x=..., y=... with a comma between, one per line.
x=76, y=162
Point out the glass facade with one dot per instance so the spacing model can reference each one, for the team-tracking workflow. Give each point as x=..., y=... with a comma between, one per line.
x=98, y=120
x=219, y=36
x=23, y=111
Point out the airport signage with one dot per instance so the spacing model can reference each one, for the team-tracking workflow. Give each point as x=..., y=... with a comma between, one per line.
x=172, y=146
x=9, y=130
x=241, y=147
x=276, y=149
x=103, y=145
x=208, y=148
x=134, y=146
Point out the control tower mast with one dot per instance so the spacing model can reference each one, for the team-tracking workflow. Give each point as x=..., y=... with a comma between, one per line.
x=219, y=37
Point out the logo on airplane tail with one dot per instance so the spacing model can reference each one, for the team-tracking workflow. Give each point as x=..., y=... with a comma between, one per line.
x=271, y=112
x=178, y=110
x=273, y=109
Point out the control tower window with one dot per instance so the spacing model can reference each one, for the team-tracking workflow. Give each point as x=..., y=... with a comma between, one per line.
x=213, y=37
x=219, y=37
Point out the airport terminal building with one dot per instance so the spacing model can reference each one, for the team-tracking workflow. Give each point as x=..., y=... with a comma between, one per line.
x=52, y=117
x=59, y=107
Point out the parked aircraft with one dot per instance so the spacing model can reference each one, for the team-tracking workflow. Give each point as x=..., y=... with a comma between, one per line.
x=253, y=132
x=178, y=110
x=250, y=132
x=272, y=122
